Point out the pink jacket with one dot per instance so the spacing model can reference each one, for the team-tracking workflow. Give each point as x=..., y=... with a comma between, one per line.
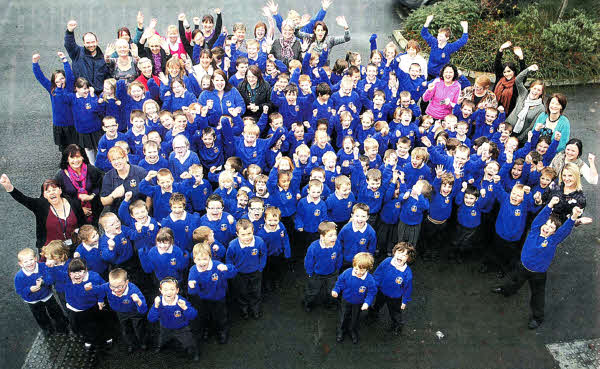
x=439, y=93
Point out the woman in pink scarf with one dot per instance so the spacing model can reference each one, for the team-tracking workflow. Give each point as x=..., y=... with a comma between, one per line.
x=442, y=93
x=287, y=47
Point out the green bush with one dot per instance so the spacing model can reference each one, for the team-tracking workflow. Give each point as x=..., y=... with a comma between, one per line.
x=447, y=13
x=569, y=49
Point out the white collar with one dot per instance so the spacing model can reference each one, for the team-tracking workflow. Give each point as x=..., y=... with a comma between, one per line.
x=361, y=230
x=208, y=267
x=363, y=277
x=124, y=292
x=251, y=243
x=88, y=247
x=267, y=230
x=184, y=158
x=169, y=250
x=164, y=303
x=36, y=270
x=309, y=200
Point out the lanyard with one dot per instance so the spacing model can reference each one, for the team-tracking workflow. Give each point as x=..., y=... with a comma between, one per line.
x=63, y=227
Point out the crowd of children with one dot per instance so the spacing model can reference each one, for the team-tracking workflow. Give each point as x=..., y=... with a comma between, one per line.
x=338, y=167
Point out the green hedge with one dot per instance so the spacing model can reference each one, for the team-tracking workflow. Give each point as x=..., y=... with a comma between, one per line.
x=568, y=49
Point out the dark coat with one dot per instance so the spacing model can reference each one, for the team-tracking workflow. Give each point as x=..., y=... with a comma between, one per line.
x=92, y=68
x=262, y=97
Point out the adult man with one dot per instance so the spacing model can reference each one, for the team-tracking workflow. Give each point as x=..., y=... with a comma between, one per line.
x=88, y=60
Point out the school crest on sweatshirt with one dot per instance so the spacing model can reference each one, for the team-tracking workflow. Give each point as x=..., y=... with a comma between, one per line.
x=545, y=243
x=214, y=277
x=333, y=255
x=399, y=280
x=517, y=212
x=132, y=183
x=173, y=261
x=362, y=289
x=363, y=241
x=223, y=227
x=317, y=212
x=413, y=208
x=177, y=314
x=254, y=252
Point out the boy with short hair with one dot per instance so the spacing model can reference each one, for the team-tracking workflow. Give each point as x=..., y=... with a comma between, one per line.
x=34, y=284
x=161, y=192
x=107, y=141
x=205, y=235
x=340, y=202
x=311, y=211
x=197, y=190
x=358, y=235
x=181, y=222
x=221, y=222
x=358, y=289
x=468, y=218
x=115, y=243
x=248, y=254
x=175, y=314
x=89, y=249
x=413, y=208
x=275, y=236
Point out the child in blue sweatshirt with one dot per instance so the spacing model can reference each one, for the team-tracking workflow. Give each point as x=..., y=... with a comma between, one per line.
x=394, y=285
x=340, y=202
x=440, y=48
x=135, y=216
x=538, y=252
x=197, y=190
x=181, y=222
x=161, y=192
x=89, y=250
x=248, y=254
x=322, y=264
x=413, y=208
x=181, y=159
x=358, y=289
x=207, y=287
x=468, y=221
x=85, y=110
x=357, y=236
x=165, y=259
x=275, y=236
x=126, y=299
x=110, y=138
x=34, y=284
x=175, y=314
x=115, y=243
x=222, y=223
x=311, y=211
x=386, y=228
x=57, y=260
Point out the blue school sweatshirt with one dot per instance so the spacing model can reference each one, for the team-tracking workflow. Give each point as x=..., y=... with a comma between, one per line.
x=80, y=299
x=197, y=194
x=252, y=154
x=177, y=167
x=277, y=241
x=538, y=251
x=161, y=163
x=85, y=112
x=218, y=251
x=127, y=102
x=160, y=199
x=168, y=264
x=24, y=282
x=104, y=145
x=136, y=144
x=340, y=210
x=173, y=103
x=145, y=238
x=93, y=258
x=183, y=229
x=468, y=216
x=398, y=130
x=286, y=201
x=412, y=174
x=440, y=57
x=337, y=100
x=172, y=316
x=393, y=282
x=113, y=108
x=291, y=113
x=310, y=215
x=62, y=115
x=413, y=209
x=486, y=204
x=122, y=252
x=209, y=156
x=362, y=191
x=322, y=260
x=229, y=198
x=211, y=284
x=247, y=259
x=511, y=220
x=344, y=158
x=390, y=211
x=224, y=228
x=355, y=290
x=231, y=100
x=124, y=303
x=440, y=207
x=353, y=242
x=60, y=276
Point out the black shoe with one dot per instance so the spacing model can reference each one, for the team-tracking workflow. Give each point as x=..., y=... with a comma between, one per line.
x=223, y=337
x=339, y=337
x=533, y=324
x=500, y=275
x=397, y=331
x=244, y=315
x=484, y=269
x=257, y=315
x=499, y=290
x=354, y=337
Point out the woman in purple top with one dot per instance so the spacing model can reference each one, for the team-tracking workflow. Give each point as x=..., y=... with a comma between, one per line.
x=81, y=181
x=442, y=93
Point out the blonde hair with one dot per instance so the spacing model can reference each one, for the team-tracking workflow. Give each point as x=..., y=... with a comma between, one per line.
x=56, y=250
x=26, y=252
x=202, y=249
x=575, y=172
x=363, y=260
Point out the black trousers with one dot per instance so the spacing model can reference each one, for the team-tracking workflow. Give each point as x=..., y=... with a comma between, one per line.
x=387, y=235
x=248, y=291
x=210, y=312
x=432, y=235
x=133, y=328
x=394, y=307
x=348, y=316
x=537, y=285
x=91, y=324
x=47, y=312
x=505, y=254
x=274, y=269
x=319, y=286
x=182, y=335
x=463, y=238
x=408, y=233
x=300, y=245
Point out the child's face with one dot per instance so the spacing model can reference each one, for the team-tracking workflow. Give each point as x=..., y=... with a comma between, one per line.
x=163, y=246
x=180, y=148
x=242, y=69
x=466, y=110
x=545, y=180
x=446, y=188
x=373, y=183
x=303, y=156
x=470, y=199
x=180, y=123
x=215, y=209
x=151, y=109
x=197, y=174
x=329, y=162
x=378, y=100
x=60, y=80
x=253, y=49
x=548, y=229
x=167, y=121
x=403, y=149
x=245, y=235
x=329, y=238
x=208, y=140
x=462, y=129
x=542, y=147
x=151, y=154
x=516, y=171
x=346, y=88
x=305, y=86
x=177, y=209
x=299, y=133
x=284, y=182
x=414, y=71
x=405, y=118
x=322, y=140
x=137, y=93
x=77, y=277
x=205, y=81
x=118, y=286
x=165, y=182
x=240, y=34
x=401, y=257
x=359, y=272
x=491, y=170
x=83, y=91
x=226, y=184
x=460, y=158
x=511, y=145
x=359, y=218
x=169, y=290
x=371, y=72
x=318, y=176
x=202, y=261
x=442, y=38
x=366, y=122
x=348, y=146
x=261, y=188
x=107, y=87
x=345, y=189
x=113, y=225
x=278, y=122
x=249, y=138
x=371, y=151
x=178, y=88
x=172, y=36
x=490, y=116
x=28, y=263
x=315, y=192
x=416, y=162
x=242, y=201
x=450, y=124
x=140, y=214
x=346, y=122
x=272, y=220
x=516, y=196
x=405, y=101
x=376, y=59
x=426, y=124
x=391, y=160
x=138, y=123
x=291, y=97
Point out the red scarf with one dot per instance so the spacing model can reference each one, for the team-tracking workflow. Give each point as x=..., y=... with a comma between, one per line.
x=504, y=92
x=79, y=181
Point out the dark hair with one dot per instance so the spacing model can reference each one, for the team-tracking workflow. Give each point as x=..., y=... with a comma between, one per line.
x=471, y=190
x=291, y=88
x=314, y=36
x=577, y=142
x=340, y=66
x=124, y=30
x=562, y=100
x=82, y=82
x=536, y=157
x=219, y=72
x=214, y=197
x=255, y=70
x=77, y=265
x=47, y=184
x=177, y=79
x=70, y=151
x=53, y=80
x=511, y=66
x=323, y=89
x=454, y=69
x=556, y=220
x=208, y=18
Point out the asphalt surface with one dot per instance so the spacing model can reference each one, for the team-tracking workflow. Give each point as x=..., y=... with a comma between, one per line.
x=480, y=329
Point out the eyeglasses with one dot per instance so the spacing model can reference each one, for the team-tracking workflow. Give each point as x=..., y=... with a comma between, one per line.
x=117, y=288
x=217, y=208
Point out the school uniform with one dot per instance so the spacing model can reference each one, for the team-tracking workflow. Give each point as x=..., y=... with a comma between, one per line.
x=353, y=240
x=468, y=219
x=93, y=259
x=197, y=194
x=174, y=323
x=353, y=292
x=278, y=251
x=122, y=255
x=434, y=227
x=249, y=261
x=386, y=228
x=132, y=317
x=183, y=230
x=309, y=215
x=411, y=216
x=223, y=228
x=322, y=265
x=170, y=263
x=394, y=288
x=178, y=166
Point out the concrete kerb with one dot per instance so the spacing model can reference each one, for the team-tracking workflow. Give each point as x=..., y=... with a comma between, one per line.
x=402, y=41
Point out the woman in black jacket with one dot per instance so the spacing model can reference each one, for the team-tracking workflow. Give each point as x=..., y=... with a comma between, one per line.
x=56, y=217
x=255, y=91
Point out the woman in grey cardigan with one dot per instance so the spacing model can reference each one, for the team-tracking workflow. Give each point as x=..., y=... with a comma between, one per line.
x=287, y=47
x=319, y=37
x=528, y=106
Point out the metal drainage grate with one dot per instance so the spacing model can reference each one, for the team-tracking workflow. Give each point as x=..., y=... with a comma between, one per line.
x=58, y=351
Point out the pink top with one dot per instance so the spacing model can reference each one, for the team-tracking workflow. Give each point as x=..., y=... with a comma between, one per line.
x=179, y=51
x=439, y=93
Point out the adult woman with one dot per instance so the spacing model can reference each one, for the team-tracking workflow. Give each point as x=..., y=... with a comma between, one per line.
x=124, y=66
x=572, y=154
x=569, y=192
x=287, y=47
x=221, y=98
x=319, y=37
x=443, y=93
x=124, y=177
x=80, y=180
x=56, y=217
x=153, y=51
x=480, y=94
x=412, y=56
x=255, y=91
x=505, y=90
x=145, y=67
x=553, y=119
x=528, y=106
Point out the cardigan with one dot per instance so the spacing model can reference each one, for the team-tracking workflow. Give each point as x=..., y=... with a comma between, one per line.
x=531, y=114
x=93, y=185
